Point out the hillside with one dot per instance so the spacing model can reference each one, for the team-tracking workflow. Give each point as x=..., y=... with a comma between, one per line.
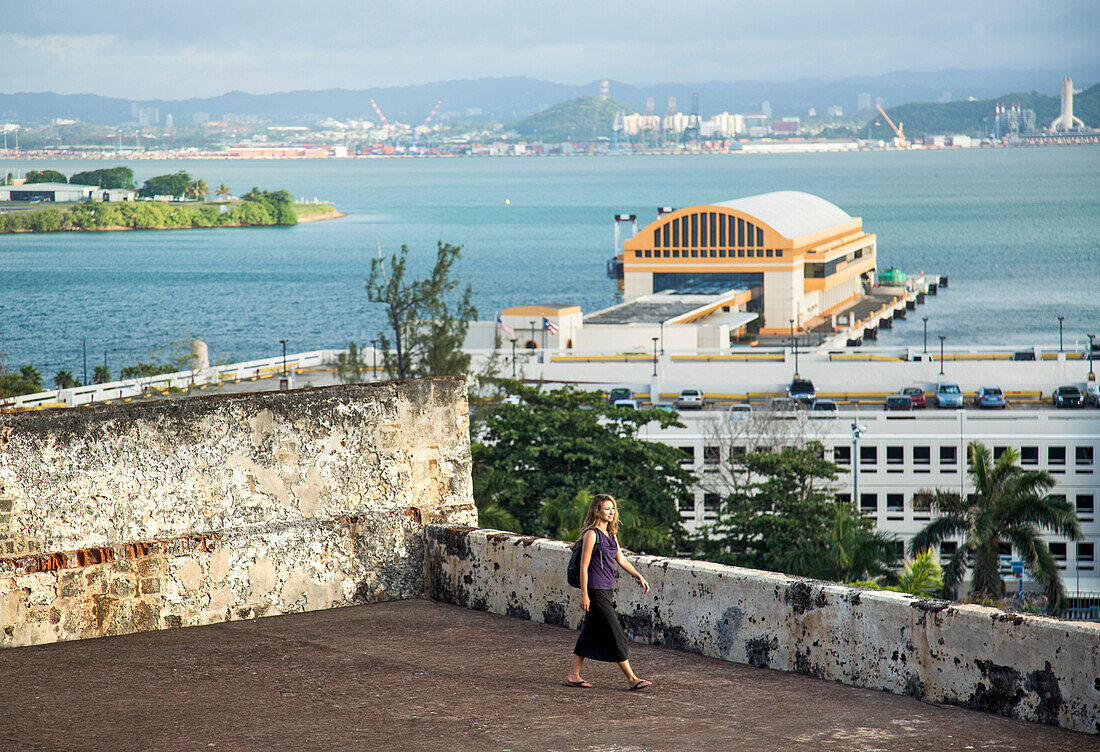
x=976, y=118
x=580, y=119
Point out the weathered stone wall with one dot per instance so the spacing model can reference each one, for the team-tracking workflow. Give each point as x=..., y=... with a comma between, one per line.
x=1031, y=668
x=116, y=519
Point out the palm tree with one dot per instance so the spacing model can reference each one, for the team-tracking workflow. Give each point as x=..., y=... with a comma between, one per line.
x=223, y=191
x=64, y=379
x=1009, y=505
x=563, y=518
x=854, y=551
x=922, y=575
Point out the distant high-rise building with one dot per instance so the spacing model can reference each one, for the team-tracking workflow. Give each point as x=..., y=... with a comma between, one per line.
x=835, y=111
x=766, y=108
x=649, y=105
x=605, y=89
x=880, y=102
x=812, y=112
x=864, y=101
x=169, y=121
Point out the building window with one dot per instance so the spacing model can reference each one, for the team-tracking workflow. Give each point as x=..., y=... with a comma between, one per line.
x=695, y=230
x=676, y=254
x=741, y=253
x=1083, y=458
x=1086, y=556
x=711, y=503
x=868, y=459
x=895, y=458
x=713, y=253
x=694, y=253
x=1056, y=458
x=737, y=451
x=899, y=549
x=704, y=236
x=768, y=253
x=711, y=455
x=740, y=231
x=1029, y=455
x=665, y=233
x=949, y=459
x=649, y=254
x=1058, y=551
x=843, y=498
x=842, y=455
x=779, y=253
x=895, y=506
x=721, y=230
x=657, y=238
x=687, y=505
x=667, y=254
x=688, y=455
x=997, y=452
x=947, y=550
x=922, y=458
x=721, y=252
x=759, y=236
x=868, y=503
x=922, y=507
x=1085, y=504
x=713, y=229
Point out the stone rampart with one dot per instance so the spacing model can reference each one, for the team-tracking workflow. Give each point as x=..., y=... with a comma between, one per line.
x=1026, y=667
x=123, y=518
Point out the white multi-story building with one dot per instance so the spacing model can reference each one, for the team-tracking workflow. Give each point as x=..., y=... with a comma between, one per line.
x=902, y=453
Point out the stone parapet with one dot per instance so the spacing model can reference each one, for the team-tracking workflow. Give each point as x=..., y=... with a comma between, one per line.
x=1025, y=667
x=117, y=519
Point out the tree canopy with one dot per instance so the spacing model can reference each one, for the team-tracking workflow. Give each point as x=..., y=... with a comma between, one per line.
x=46, y=176
x=580, y=119
x=175, y=184
x=538, y=453
x=1010, y=506
x=110, y=177
x=425, y=327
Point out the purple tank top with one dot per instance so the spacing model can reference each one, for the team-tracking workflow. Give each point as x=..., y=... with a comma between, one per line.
x=601, y=570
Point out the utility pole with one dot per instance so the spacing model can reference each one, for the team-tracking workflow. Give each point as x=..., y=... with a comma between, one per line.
x=513, y=358
x=654, y=356
x=84, y=343
x=374, y=357
x=1060, y=333
x=942, y=338
x=857, y=431
x=925, y=337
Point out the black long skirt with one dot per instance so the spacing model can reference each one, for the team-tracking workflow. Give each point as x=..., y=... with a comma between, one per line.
x=602, y=637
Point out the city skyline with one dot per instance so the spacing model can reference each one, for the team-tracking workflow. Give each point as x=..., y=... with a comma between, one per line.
x=136, y=51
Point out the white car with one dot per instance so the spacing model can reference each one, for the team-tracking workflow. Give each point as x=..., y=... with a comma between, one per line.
x=740, y=411
x=691, y=399
x=628, y=404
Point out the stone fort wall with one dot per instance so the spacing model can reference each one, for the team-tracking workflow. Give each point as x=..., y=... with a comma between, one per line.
x=1026, y=667
x=122, y=518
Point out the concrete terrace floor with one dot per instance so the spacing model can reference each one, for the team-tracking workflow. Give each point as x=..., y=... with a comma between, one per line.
x=416, y=675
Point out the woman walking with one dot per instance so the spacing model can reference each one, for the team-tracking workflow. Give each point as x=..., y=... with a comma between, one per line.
x=602, y=637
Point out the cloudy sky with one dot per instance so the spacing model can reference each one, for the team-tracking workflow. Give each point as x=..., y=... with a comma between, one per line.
x=148, y=49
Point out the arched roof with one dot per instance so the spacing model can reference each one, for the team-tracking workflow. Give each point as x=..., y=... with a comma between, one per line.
x=792, y=214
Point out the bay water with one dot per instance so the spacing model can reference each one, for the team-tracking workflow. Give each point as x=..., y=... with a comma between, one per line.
x=1016, y=230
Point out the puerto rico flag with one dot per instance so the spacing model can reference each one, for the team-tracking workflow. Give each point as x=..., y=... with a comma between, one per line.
x=549, y=325
x=504, y=327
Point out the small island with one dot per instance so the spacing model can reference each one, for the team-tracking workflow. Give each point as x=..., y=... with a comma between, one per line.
x=106, y=200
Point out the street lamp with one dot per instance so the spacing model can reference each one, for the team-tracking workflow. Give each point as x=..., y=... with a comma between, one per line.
x=662, y=338
x=513, y=358
x=925, y=337
x=857, y=431
x=1060, y=333
x=794, y=344
x=374, y=358
x=1092, y=376
x=654, y=356
x=533, y=335
x=84, y=343
x=942, y=338
x=283, y=341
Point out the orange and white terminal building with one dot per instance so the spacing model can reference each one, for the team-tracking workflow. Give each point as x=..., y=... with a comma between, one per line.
x=799, y=257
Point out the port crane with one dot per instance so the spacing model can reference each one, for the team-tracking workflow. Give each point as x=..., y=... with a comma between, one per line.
x=898, y=129
x=378, y=110
x=431, y=114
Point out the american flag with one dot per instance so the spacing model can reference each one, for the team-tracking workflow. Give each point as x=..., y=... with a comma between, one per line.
x=504, y=327
x=549, y=325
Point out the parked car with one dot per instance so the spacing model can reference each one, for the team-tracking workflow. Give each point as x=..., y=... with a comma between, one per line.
x=916, y=396
x=803, y=391
x=627, y=404
x=1067, y=396
x=990, y=396
x=667, y=407
x=948, y=394
x=784, y=405
x=899, y=402
x=740, y=411
x=691, y=399
x=1092, y=393
x=619, y=393
x=823, y=406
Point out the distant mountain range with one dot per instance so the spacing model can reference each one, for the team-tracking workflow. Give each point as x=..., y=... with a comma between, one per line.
x=513, y=98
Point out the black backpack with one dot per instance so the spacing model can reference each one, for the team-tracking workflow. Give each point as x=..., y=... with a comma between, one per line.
x=573, y=572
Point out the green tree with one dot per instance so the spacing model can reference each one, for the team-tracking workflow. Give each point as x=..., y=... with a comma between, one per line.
x=101, y=375
x=64, y=379
x=350, y=366
x=223, y=191
x=922, y=575
x=534, y=456
x=198, y=190
x=1009, y=505
x=27, y=380
x=278, y=204
x=175, y=185
x=784, y=517
x=46, y=176
x=111, y=177
x=428, y=329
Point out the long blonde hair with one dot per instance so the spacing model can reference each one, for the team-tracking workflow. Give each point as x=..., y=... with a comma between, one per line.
x=590, y=519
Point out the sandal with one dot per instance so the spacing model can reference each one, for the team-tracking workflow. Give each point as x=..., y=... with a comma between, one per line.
x=582, y=683
x=640, y=684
